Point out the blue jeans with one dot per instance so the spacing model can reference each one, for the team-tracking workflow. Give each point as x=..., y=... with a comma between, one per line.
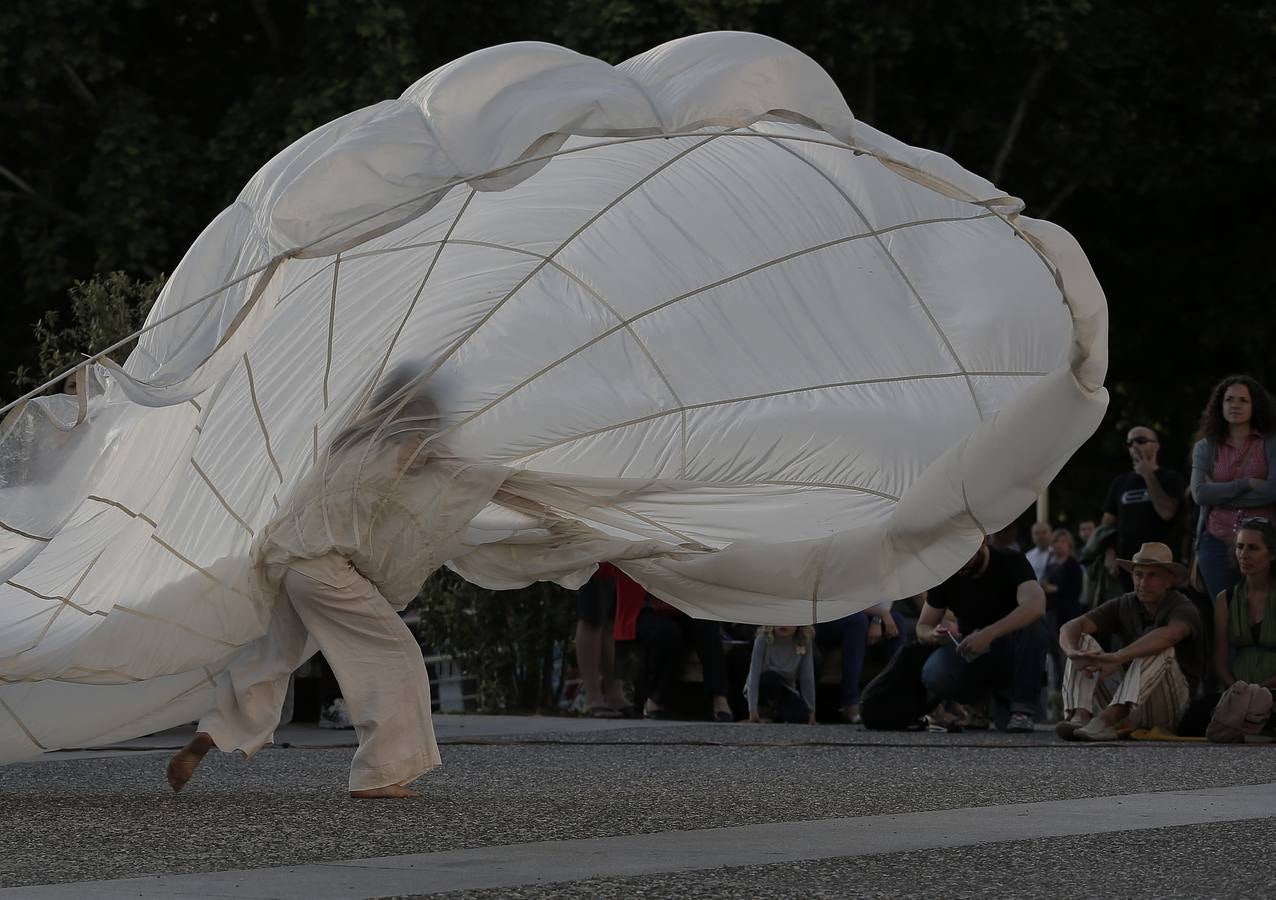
x=1012, y=665
x=1217, y=564
x=850, y=633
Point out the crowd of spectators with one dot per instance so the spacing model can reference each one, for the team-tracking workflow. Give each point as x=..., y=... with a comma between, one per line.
x=1160, y=621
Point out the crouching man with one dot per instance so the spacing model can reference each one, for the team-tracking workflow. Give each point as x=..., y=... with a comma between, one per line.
x=999, y=608
x=1149, y=681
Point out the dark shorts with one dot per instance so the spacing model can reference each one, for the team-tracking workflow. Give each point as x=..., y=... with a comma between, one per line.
x=596, y=601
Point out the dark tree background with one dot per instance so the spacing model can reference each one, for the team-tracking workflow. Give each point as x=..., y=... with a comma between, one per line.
x=1144, y=128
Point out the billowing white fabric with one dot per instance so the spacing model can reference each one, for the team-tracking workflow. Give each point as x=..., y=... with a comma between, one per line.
x=685, y=313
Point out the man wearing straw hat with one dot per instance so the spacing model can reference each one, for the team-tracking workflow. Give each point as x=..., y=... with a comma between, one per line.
x=1149, y=681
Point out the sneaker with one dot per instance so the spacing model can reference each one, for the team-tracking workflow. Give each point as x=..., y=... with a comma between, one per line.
x=1020, y=723
x=335, y=715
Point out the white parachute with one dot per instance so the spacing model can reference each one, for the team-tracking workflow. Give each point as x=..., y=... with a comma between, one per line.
x=685, y=313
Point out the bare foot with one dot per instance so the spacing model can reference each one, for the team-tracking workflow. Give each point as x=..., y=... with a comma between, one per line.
x=184, y=762
x=391, y=790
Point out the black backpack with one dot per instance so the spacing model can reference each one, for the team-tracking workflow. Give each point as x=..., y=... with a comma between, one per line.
x=896, y=699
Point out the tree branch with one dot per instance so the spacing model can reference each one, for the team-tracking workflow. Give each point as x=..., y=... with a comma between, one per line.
x=267, y=23
x=30, y=193
x=1016, y=120
x=78, y=87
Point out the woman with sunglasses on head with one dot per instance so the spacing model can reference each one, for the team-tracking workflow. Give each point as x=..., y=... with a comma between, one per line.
x=1233, y=474
x=1245, y=616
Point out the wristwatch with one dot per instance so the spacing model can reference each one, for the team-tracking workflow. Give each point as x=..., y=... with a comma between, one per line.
x=875, y=620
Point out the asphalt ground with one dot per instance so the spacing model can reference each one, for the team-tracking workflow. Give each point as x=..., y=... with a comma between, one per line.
x=91, y=818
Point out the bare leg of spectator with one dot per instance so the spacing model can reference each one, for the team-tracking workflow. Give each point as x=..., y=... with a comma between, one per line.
x=589, y=658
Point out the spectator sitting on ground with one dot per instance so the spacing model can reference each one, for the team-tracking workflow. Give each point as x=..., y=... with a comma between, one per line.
x=1156, y=669
x=854, y=634
x=1245, y=616
x=1062, y=584
x=782, y=675
x=1038, y=554
x=1000, y=610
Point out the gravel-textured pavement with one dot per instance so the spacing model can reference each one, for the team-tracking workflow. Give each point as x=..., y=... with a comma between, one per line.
x=1233, y=860
x=112, y=817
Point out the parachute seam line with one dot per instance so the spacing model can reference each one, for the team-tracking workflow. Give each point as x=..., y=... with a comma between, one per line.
x=57, y=598
x=196, y=566
x=440, y=189
x=252, y=393
x=625, y=323
x=124, y=509
x=821, y=557
x=25, y=730
x=208, y=310
x=57, y=611
x=641, y=346
x=416, y=381
x=712, y=403
x=545, y=157
x=857, y=488
x=178, y=625
x=220, y=499
x=970, y=512
x=451, y=351
x=594, y=503
x=198, y=408
x=332, y=322
x=898, y=268
x=421, y=289
x=135, y=335
x=20, y=533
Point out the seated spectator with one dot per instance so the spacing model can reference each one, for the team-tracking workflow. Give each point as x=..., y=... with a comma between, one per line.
x=596, y=645
x=1245, y=616
x=782, y=675
x=1000, y=610
x=1149, y=681
x=665, y=634
x=1062, y=584
x=854, y=634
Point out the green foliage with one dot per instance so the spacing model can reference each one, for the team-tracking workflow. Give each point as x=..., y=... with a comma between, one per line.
x=104, y=310
x=504, y=639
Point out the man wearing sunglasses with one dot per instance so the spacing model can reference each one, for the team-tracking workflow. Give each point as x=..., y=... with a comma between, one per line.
x=1144, y=503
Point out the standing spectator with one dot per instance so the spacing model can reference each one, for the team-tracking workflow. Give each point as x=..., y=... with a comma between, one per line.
x=854, y=634
x=1144, y=503
x=596, y=644
x=665, y=633
x=1245, y=616
x=1000, y=609
x=1085, y=530
x=782, y=674
x=1233, y=465
x=1155, y=670
x=1039, y=553
x=1062, y=584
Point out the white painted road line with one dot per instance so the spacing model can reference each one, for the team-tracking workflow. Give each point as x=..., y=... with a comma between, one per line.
x=679, y=851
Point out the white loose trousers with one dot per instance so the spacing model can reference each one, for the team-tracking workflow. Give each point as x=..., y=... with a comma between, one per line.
x=376, y=659
x=1154, y=686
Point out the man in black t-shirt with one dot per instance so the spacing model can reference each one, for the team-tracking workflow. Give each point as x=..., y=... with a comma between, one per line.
x=1144, y=504
x=1001, y=638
